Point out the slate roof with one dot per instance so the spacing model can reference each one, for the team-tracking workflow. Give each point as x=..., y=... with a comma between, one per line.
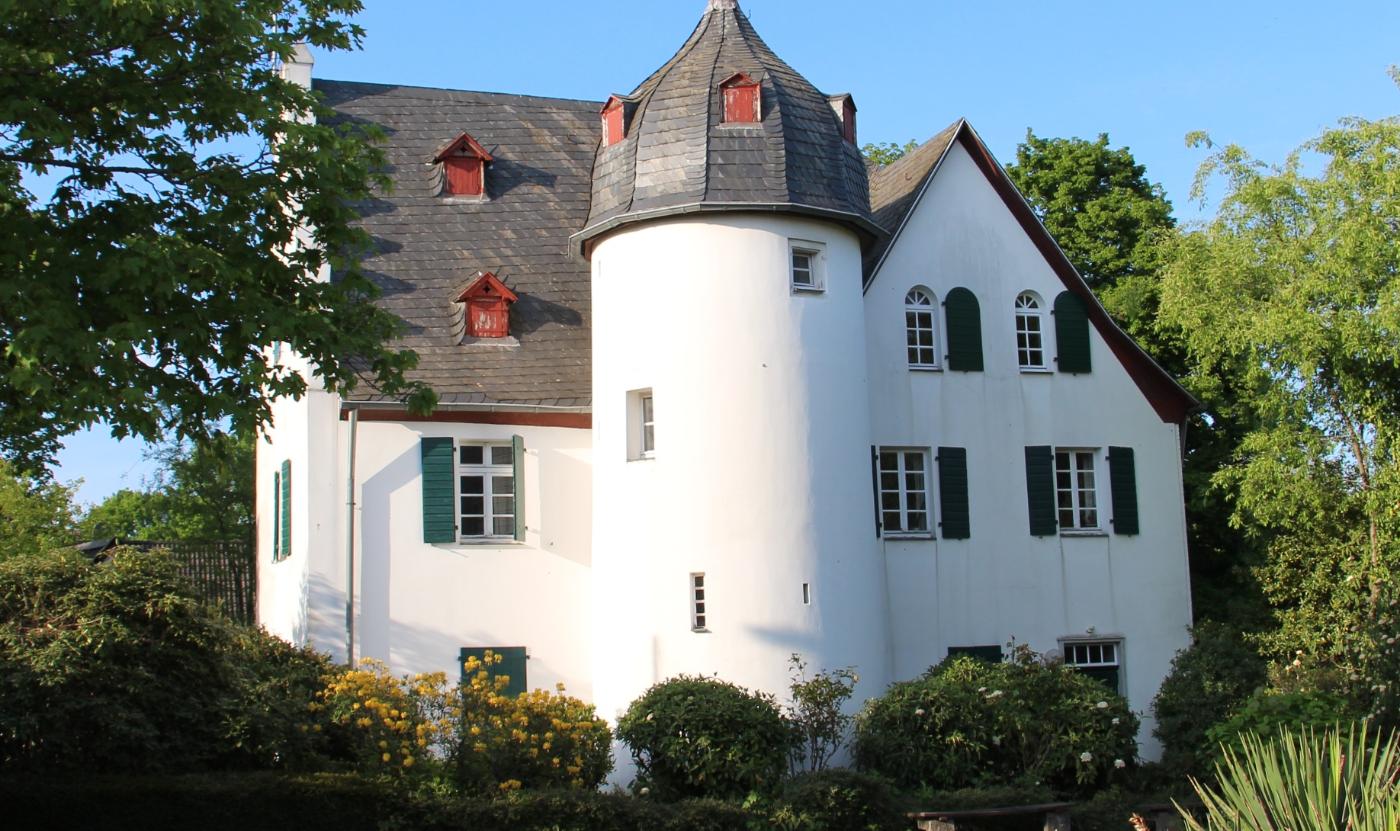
x=428, y=247
x=895, y=187
x=678, y=155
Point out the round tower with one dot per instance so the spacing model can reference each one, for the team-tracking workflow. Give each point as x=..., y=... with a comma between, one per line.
x=733, y=522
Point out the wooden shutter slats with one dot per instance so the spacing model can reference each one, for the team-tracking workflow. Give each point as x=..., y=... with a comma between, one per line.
x=517, y=446
x=954, y=507
x=1071, y=334
x=963, y=317
x=1122, y=477
x=439, y=491
x=286, y=509
x=1040, y=490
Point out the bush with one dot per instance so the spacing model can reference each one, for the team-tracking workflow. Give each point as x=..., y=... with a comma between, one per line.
x=837, y=800
x=1268, y=714
x=971, y=799
x=275, y=682
x=1306, y=779
x=971, y=723
x=398, y=727
x=1207, y=683
x=118, y=667
x=817, y=713
x=701, y=737
x=572, y=810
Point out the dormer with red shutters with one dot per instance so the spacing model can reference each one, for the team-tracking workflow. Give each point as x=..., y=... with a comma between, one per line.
x=616, y=114
x=845, y=108
x=464, y=163
x=743, y=103
x=488, y=303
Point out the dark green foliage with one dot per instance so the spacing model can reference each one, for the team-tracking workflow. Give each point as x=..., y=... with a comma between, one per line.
x=887, y=152
x=115, y=667
x=837, y=800
x=1207, y=683
x=987, y=796
x=576, y=810
x=1267, y=714
x=153, y=264
x=702, y=737
x=968, y=722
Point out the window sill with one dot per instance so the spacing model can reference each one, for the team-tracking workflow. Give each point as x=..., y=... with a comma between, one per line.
x=1037, y=370
x=903, y=536
x=632, y=459
x=490, y=542
x=1084, y=532
x=699, y=630
x=913, y=368
x=808, y=290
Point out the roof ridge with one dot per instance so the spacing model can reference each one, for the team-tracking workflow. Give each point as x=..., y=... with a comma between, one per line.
x=411, y=87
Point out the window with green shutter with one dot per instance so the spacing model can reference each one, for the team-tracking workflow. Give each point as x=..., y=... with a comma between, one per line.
x=1040, y=490
x=511, y=664
x=963, y=317
x=1122, y=479
x=276, y=515
x=955, y=519
x=1071, y=334
x=286, y=512
x=439, y=512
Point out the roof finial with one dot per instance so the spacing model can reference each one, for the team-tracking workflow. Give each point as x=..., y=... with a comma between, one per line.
x=723, y=4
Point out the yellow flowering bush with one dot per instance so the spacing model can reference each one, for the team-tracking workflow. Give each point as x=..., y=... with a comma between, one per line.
x=538, y=739
x=400, y=727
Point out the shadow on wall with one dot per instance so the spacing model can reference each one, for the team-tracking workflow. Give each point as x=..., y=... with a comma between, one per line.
x=375, y=545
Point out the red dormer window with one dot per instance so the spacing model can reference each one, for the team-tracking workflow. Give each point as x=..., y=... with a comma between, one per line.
x=614, y=121
x=464, y=163
x=742, y=104
x=488, y=304
x=845, y=108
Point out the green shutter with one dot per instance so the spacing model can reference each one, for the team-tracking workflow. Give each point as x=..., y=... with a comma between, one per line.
x=963, y=316
x=517, y=446
x=276, y=515
x=952, y=493
x=1040, y=490
x=512, y=664
x=439, y=494
x=990, y=654
x=1122, y=477
x=286, y=509
x=875, y=485
x=1071, y=334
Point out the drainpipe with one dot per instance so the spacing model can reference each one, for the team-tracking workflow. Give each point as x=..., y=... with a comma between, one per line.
x=350, y=539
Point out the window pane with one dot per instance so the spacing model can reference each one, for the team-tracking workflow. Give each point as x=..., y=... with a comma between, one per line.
x=471, y=454
x=889, y=500
x=502, y=485
x=502, y=455
x=503, y=526
x=917, y=501
x=892, y=521
x=473, y=527
x=646, y=409
x=648, y=438
x=918, y=521
x=472, y=505
x=502, y=505
x=889, y=461
x=889, y=481
x=473, y=484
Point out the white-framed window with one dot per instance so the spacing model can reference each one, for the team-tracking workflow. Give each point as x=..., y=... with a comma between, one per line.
x=921, y=328
x=904, y=499
x=697, y=602
x=485, y=490
x=1076, y=492
x=1030, y=331
x=641, y=425
x=1101, y=659
x=807, y=266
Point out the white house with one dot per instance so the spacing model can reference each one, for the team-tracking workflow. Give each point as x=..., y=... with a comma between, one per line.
x=714, y=393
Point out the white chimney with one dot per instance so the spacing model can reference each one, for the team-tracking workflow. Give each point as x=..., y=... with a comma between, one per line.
x=298, y=69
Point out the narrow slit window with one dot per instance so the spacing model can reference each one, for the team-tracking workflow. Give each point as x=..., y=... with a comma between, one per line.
x=697, y=602
x=806, y=594
x=648, y=427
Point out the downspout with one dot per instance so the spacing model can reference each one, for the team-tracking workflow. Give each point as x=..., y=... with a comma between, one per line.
x=350, y=539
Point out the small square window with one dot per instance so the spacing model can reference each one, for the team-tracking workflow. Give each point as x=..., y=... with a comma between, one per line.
x=806, y=267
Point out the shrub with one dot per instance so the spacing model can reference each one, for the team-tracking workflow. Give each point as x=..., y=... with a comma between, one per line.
x=968, y=722
x=113, y=666
x=1269, y=713
x=398, y=727
x=1306, y=779
x=817, y=713
x=992, y=796
x=837, y=800
x=1207, y=683
x=275, y=682
x=701, y=737
x=538, y=739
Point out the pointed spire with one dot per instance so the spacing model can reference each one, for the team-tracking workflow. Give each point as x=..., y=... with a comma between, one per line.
x=721, y=5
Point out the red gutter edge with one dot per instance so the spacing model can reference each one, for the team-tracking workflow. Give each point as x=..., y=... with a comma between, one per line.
x=1171, y=402
x=578, y=421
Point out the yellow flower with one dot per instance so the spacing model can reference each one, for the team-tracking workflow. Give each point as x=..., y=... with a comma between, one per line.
x=408, y=762
x=385, y=757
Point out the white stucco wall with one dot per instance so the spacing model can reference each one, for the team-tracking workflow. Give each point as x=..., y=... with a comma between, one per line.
x=1003, y=583
x=761, y=475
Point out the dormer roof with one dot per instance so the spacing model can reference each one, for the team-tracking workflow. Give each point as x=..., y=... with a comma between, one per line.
x=487, y=284
x=464, y=142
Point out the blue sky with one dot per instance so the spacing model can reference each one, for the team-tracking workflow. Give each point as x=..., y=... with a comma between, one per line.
x=1266, y=75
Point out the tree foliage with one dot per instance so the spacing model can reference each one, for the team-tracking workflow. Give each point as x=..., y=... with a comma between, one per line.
x=34, y=515
x=155, y=173
x=887, y=152
x=1292, y=290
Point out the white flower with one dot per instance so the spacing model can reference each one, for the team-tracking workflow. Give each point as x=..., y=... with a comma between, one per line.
x=919, y=711
x=996, y=740
x=981, y=689
x=1119, y=763
x=1117, y=720
x=1299, y=653
x=1102, y=705
x=650, y=716
x=644, y=791
x=1086, y=757
x=1355, y=677
x=1297, y=663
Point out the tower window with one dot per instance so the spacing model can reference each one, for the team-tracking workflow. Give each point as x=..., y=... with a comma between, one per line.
x=742, y=100
x=641, y=425
x=805, y=259
x=464, y=163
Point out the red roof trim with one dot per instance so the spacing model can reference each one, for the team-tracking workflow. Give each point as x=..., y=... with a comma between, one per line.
x=578, y=421
x=479, y=285
x=738, y=79
x=464, y=142
x=613, y=102
x=1171, y=402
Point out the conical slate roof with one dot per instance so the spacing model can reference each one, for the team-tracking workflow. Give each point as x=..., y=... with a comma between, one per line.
x=679, y=157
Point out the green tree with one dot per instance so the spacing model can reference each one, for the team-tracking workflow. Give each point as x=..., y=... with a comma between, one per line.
x=201, y=491
x=1292, y=287
x=155, y=174
x=34, y=515
x=887, y=152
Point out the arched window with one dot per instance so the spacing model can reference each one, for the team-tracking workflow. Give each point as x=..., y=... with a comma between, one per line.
x=1030, y=331
x=920, y=325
